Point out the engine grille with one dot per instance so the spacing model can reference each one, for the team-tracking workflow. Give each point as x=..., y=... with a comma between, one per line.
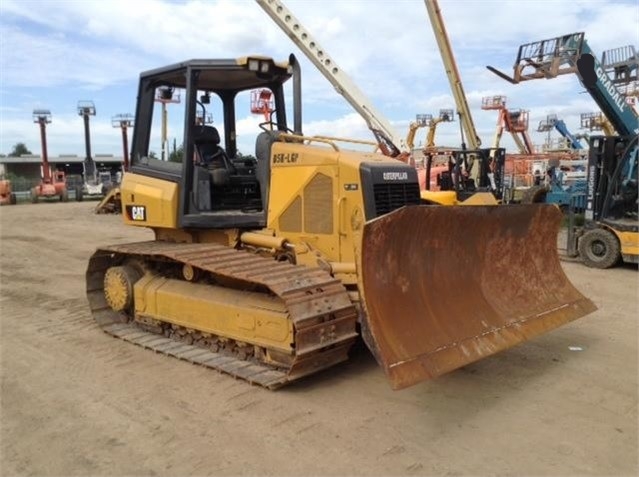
x=391, y=196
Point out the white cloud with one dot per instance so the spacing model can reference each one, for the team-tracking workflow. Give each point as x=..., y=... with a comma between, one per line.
x=388, y=48
x=65, y=135
x=50, y=60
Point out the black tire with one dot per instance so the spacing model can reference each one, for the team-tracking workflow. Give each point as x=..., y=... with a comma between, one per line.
x=534, y=195
x=12, y=199
x=599, y=248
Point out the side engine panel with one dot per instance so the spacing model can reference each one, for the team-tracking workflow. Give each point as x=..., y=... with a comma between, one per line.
x=149, y=202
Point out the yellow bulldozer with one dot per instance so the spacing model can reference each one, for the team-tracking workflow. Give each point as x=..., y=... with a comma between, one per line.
x=269, y=268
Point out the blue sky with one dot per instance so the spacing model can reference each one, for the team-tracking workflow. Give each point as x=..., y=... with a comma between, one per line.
x=55, y=53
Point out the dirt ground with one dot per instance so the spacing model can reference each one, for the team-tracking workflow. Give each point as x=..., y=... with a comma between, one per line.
x=76, y=401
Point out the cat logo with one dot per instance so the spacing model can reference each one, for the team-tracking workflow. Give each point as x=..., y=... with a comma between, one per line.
x=395, y=176
x=136, y=212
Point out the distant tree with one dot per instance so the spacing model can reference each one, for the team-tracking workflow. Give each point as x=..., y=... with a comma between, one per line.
x=19, y=149
x=244, y=156
x=152, y=155
x=177, y=155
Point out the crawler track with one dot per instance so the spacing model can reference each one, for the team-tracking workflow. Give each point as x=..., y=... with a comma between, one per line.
x=322, y=314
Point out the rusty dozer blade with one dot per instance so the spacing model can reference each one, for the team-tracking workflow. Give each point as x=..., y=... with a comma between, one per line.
x=443, y=287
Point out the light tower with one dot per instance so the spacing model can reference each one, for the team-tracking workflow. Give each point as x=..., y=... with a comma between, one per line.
x=166, y=95
x=87, y=109
x=43, y=117
x=124, y=122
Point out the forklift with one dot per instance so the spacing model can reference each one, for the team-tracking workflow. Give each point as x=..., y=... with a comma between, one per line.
x=610, y=233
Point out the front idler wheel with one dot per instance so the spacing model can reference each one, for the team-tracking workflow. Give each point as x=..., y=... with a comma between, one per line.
x=118, y=287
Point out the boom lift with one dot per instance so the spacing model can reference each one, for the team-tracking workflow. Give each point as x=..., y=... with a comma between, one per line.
x=96, y=183
x=621, y=64
x=488, y=176
x=596, y=122
x=454, y=78
x=268, y=269
x=421, y=121
x=7, y=197
x=513, y=122
x=565, y=180
x=552, y=122
x=461, y=185
x=430, y=175
x=51, y=185
x=262, y=103
x=390, y=142
x=439, y=163
x=445, y=116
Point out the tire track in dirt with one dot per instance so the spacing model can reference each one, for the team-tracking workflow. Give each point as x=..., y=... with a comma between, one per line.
x=76, y=401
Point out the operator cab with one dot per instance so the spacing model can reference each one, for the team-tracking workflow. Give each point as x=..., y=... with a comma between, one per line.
x=617, y=160
x=186, y=132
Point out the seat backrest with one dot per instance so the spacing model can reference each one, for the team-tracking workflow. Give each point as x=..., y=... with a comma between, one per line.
x=206, y=135
x=207, y=143
x=263, y=145
x=211, y=155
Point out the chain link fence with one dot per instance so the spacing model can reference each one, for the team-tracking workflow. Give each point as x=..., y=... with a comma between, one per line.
x=22, y=184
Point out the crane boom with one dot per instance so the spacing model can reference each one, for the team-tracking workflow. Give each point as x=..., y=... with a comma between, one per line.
x=435, y=16
x=377, y=123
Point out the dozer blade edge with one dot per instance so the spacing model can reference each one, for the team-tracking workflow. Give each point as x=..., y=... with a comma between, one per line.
x=443, y=287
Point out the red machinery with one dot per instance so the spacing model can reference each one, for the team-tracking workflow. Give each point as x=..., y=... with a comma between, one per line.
x=51, y=185
x=515, y=122
x=6, y=196
x=435, y=162
x=261, y=103
x=124, y=122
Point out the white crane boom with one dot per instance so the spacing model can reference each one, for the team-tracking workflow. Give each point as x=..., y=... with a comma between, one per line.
x=435, y=16
x=376, y=122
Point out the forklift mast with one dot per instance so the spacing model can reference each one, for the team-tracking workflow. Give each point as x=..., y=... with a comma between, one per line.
x=612, y=181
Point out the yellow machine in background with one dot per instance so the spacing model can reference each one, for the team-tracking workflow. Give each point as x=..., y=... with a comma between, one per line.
x=421, y=121
x=427, y=120
x=269, y=268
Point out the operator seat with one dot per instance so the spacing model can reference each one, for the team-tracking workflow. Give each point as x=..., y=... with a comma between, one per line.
x=212, y=156
x=263, y=145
